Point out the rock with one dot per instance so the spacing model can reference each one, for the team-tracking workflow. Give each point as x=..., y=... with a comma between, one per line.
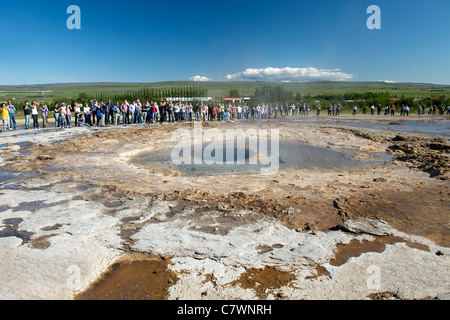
x=400, y=138
x=381, y=180
x=368, y=226
x=439, y=146
x=45, y=157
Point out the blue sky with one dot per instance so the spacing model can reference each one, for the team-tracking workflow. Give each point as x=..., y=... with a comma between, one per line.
x=284, y=40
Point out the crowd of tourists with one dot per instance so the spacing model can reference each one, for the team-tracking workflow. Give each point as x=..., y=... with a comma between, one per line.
x=404, y=110
x=135, y=112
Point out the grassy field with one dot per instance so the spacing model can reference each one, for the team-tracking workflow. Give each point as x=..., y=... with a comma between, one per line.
x=49, y=92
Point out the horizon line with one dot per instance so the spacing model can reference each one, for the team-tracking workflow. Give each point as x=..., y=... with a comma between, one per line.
x=387, y=82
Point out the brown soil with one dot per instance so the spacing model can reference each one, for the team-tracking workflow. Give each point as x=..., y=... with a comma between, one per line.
x=319, y=271
x=429, y=155
x=133, y=278
x=42, y=242
x=355, y=248
x=383, y=296
x=422, y=211
x=294, y=212
x=264, y=281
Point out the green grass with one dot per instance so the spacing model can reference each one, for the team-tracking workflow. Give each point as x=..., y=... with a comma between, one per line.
x=50, y=92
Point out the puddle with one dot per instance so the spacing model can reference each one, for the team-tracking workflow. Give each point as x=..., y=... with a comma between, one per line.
x=433, y=127
x=11, y=229
x=5, y=176
x=441, y=128
x=34, y=206
x=133, y=278
x=292, y=155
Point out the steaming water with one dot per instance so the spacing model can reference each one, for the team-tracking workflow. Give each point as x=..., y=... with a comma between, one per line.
x=291, y=156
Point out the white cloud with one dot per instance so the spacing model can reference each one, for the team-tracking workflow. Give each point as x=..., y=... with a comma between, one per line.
x=290, y=74
x=388, y=81
x=199, y=78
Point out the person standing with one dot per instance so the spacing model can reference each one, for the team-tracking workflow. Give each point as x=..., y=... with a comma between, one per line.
x=190, y=110
x=44, y=113
x=116, y=110
x=12, y=116
x=110, y=113
x=94, y=108
x=62, y=115
x=77, y=112
x=132, y=111
x=56, y=110
x=145, y=112
x=171, y=112
x=125, y=112
x=69, y=115
x=5, y=116
x=99, y=115
x=105, y=113
x=35, y=115
x=154, y=112
x=27, y=113
x=138, y=112
x=162, y=112
x=87, y=115
x=197, y=112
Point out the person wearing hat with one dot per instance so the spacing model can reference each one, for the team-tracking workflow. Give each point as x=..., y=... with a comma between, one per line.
x=12, y=116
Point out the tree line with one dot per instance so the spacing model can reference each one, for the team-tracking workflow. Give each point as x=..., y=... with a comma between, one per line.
x=266, y=94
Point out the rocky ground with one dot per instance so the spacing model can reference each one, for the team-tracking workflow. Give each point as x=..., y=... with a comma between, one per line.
x=80, y=217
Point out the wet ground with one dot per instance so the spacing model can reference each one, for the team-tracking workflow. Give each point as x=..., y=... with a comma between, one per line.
x=137, y=226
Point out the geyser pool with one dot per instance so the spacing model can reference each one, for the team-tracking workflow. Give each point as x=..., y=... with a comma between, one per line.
x=292, y=156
